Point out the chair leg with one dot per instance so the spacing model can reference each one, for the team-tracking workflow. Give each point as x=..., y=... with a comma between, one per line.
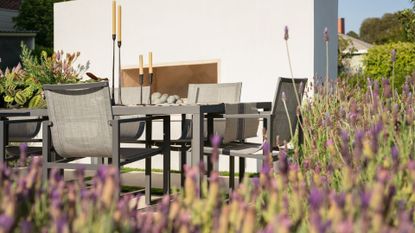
x=116, y=151
x=231, y=173
x=241, y=169
x=209, y=166
x=148, y=181
x=166, y=171
x=183, y=161
x=46, y=149
x=3, y=143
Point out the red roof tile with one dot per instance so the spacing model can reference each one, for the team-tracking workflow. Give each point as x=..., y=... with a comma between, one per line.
x=10, y=4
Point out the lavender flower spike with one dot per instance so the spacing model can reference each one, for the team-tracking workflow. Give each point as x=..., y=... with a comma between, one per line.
x=286, y=34
x=326, y=37
x=393, y=55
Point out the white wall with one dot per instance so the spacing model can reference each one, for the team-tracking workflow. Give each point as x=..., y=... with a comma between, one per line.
x=245, y=35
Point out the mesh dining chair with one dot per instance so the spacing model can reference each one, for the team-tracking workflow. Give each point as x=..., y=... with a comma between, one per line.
x=227, y=128
x=278, y=124
x=81, y=124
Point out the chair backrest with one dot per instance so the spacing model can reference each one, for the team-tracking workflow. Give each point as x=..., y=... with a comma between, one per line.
x=280, y=122
x=131, y=96
x=80, y=115
x=23, y=132
x=228, y=93
x=213, y=93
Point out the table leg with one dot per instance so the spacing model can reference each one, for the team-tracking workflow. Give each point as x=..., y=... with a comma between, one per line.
x=3, y=136
x=183, y=152
x=148, y=162
x=210, y=165
x=166, y=156
x=197, y=144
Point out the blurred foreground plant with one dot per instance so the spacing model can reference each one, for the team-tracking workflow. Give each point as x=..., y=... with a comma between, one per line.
x=357, y=174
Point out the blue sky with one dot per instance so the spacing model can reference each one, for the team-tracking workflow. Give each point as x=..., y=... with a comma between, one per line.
x=355, y=11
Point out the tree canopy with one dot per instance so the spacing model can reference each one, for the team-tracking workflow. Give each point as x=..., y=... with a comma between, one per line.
x=383, y=30
x=37, y=15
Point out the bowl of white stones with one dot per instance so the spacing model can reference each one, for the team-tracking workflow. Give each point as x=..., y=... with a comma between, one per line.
x=158, y=98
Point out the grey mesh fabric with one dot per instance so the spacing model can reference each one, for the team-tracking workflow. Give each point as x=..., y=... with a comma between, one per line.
x=80, y=121
x=240, y=129
x=280, y=122
x=214, y=93
x=131, y=96
x=23, y=132
x=228, y=93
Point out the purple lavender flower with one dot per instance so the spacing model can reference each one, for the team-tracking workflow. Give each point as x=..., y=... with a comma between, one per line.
x=62, y=225
x=345, y=147
x=283, y=164
x=102, y=173
x=395, y=154
x=286, y=35
x=326, y=37
x=365, y=200
x=266, y=148
x=216, y=140
x=316, y=198
x=387, y=90
x=26, y=226
x=340, y=199
x=393, y=55
x=406, y=88
x=376, y=87
x=6, y=223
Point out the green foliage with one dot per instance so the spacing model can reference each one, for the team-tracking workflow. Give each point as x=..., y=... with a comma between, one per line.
x=19, y=90
x=378, y=63
x=407, y=19
x=37, y=15
x=22, y=86
x=382, y=30
x=55, y=69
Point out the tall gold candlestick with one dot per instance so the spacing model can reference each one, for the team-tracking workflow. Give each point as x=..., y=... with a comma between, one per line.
x=119, y=23
x=113, y=16
x=140, y=65
x=150, y=62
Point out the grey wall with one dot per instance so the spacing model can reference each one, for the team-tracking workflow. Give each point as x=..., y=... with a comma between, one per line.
x=6, y=16
x=10, y=50
x=324, y=17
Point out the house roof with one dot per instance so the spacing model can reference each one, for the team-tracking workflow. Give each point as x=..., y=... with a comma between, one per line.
x=10, y=4
x=360, y=46
x=6, y=33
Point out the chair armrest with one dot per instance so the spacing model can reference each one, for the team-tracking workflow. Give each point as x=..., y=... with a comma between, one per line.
x=135, y=119
x=248, y=116
x=20, y=121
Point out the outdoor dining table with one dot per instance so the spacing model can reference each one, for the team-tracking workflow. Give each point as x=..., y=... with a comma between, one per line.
x=197, y=111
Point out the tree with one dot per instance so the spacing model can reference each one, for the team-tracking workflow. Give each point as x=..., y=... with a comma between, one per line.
x=37, y=15
x=383, y=30
x=353, y=34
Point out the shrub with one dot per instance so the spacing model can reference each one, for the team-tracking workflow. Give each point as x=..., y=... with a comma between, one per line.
x=58, y=68
x=20, y=90
x=22, y=86
x=378, y=63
